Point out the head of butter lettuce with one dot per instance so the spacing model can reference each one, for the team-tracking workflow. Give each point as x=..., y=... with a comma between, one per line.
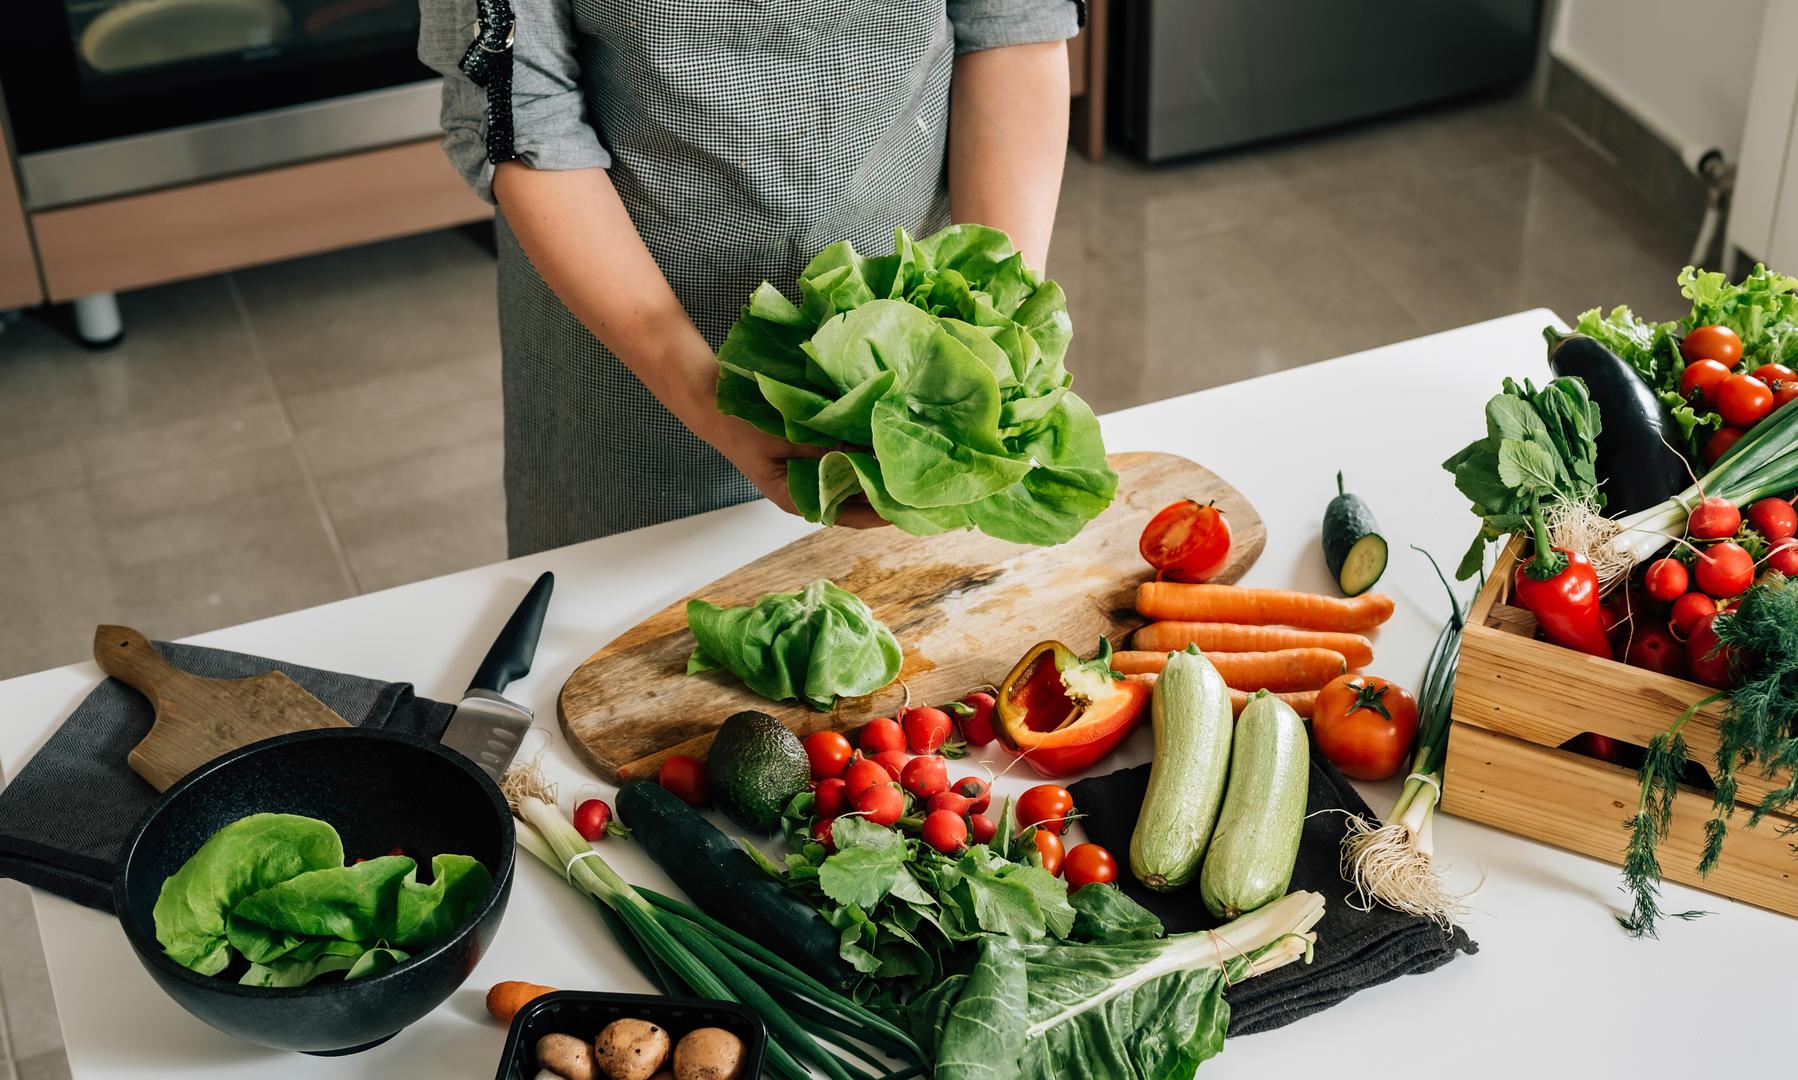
x=935, y=377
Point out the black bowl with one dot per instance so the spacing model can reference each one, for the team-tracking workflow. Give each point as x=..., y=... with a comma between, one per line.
x=379, y=790
x=582, y=1014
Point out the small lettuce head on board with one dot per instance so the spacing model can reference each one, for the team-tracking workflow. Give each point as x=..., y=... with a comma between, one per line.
x=934, y=376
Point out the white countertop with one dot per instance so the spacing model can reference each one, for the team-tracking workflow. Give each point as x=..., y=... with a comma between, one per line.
x=1556, y=989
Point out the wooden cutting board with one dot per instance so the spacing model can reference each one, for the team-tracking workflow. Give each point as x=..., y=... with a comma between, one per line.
x=965, y=606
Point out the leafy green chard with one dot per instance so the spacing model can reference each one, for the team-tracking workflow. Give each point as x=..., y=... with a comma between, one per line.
x=817, y=644
x=935, y=378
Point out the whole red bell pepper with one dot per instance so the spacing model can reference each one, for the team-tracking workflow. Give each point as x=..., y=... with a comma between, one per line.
x=1560, y=588
x=1063, y=713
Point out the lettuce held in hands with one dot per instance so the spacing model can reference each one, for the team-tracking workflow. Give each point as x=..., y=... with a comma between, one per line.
x=935, y=377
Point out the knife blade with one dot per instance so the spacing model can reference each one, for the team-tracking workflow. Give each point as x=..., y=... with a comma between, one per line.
x=488, y=727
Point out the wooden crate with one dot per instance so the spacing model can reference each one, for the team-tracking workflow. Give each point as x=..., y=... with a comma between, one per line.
x=1518, y=700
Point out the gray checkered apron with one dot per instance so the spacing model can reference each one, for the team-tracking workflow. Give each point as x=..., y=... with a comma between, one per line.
x=744, y=137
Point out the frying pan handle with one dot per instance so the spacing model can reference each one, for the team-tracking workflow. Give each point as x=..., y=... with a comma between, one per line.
x=511, y=654
x=129, y=657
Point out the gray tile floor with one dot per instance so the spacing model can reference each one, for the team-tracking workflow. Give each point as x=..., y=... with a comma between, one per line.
x=284, y=436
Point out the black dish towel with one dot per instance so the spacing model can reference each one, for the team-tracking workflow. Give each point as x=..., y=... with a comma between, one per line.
x=65, y=818
x=1355, y=949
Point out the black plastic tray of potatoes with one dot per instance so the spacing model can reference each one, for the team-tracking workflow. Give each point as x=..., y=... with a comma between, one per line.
x=583, y=1014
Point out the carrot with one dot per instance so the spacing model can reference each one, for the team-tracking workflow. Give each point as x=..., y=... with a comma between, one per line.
x=1262, y=607
x=1304, y=703
x=1231, y=637
x=506, y=998
x=1282, y=671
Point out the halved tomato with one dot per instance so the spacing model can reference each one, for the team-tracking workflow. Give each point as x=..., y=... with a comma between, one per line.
x=1187, y=541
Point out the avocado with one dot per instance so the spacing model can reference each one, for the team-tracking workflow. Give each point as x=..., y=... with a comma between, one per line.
x=755, y=768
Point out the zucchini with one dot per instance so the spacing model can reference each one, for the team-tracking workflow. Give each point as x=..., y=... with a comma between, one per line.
x=1191, y=714
x=723, y=881
x=1252, y=853
x=1353, y=547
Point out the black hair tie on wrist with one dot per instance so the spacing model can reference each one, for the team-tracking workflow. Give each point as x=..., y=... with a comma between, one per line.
x=488, y=64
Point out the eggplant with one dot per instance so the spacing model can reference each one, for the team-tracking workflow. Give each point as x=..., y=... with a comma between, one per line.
x=1637, y=464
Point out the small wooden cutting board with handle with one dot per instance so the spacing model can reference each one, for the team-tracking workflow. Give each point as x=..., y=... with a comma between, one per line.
x=965, y=606
x=198, y=719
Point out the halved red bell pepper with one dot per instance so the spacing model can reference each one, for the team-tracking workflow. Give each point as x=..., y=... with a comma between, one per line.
x=1063, y=713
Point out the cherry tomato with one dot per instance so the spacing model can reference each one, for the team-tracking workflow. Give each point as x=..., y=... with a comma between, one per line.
x=1775, y=376
x=1783, y=395
x=983, y=828
x=881, y=733
x=977, y=791
x=590, y=819
x=977, y=725
x=1655, y=649
x=893, y=761
x=1744, y=400
x=1719, y=443
x=1712, y=343
x=1088, y=863
x=1365, y=725
x=1724, y=570
x=831, y=798
x=1712, y=662
x=862, y=774
x=1187, y=541
x=1048, y=851
x=1784, y=559
x=1688, y=611
x=683, y=775
x=926, y=729
x=925, y=776
x=882, y=804
x=821, y=833
x=953, y=801
x=1700, y=382
x=945, y=831
x=1773, y=518
x=1047, y=807
x=829, y=752
x=1667, y=579
x=1715, y=518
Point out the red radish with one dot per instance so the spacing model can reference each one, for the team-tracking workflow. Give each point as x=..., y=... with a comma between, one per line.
x=684, y=776
x=1724, y=570
x=1616, y=615
x=1688, y=610
x=977, y=722
x=1719, y=444
x=1666, y=579
x=1049, y=851
x=1714, y=519
x=945, y=831
x=590, y=819
x=882, y=804
x=1654, y=648
x=925, y=776
x=893, y=761
x=864, y=773
x=983, y=828
x=951, y=801
x=881, y=734
x=831, y=798
x=926, y=729
x=977, y=791
x=1784, y=559
x=1773, y=518
x=1711, y=661
x=821, y=833
x=829, y=753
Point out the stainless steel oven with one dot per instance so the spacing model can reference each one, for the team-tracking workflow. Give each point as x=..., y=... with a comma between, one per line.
x=108, y=97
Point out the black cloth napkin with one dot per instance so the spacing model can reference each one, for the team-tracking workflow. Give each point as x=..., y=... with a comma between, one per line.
x=65, y=818
x=1355, y=949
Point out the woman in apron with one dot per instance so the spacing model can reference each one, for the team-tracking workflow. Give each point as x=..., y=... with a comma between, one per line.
x=655, y=160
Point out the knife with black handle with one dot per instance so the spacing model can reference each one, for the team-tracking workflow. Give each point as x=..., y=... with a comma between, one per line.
x=486, y=727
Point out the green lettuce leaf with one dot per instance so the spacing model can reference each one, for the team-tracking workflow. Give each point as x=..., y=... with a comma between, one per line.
x=815, y=645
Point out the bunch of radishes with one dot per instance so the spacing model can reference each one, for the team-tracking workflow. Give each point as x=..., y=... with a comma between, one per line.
x=1713, y=382
x=1705, y=573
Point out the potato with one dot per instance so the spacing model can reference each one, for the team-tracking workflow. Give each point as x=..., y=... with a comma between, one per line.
x=708, y=1054
x=566, y=1056
x=631, y=1049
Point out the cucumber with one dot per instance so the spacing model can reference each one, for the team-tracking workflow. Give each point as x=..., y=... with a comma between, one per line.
x=1353, y=547
x=1250, y=860
x=725, y=883
x=1191, y=714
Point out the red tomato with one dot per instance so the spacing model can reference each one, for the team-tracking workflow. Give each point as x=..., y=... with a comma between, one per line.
x=977, y=725
x=983, y=828
x=864, y=773
x=1047, y=807
x=1688, y=611
x=590, y=819
x=829, y=752
x=1719, y=443
x=1744, y=400
x=683, y=775
x=831, y=798
x=881, y=733
x=1775, y=376
x=1712, y=343
x=1365, y=725
x=1048, y=851
x=1783, y=395
x=882, y=804
x=1784, y=559
x=1656, y=649
x=1188, y=541
x=1773, y=518
x=925, y=776
x=926, y=729
x=893, y=761
x=1724, y=570
x=1666, y=579
x=977, y=791
x=945, y=831
x=1088, y=863
x=1714, y=519
x=1700, y=382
